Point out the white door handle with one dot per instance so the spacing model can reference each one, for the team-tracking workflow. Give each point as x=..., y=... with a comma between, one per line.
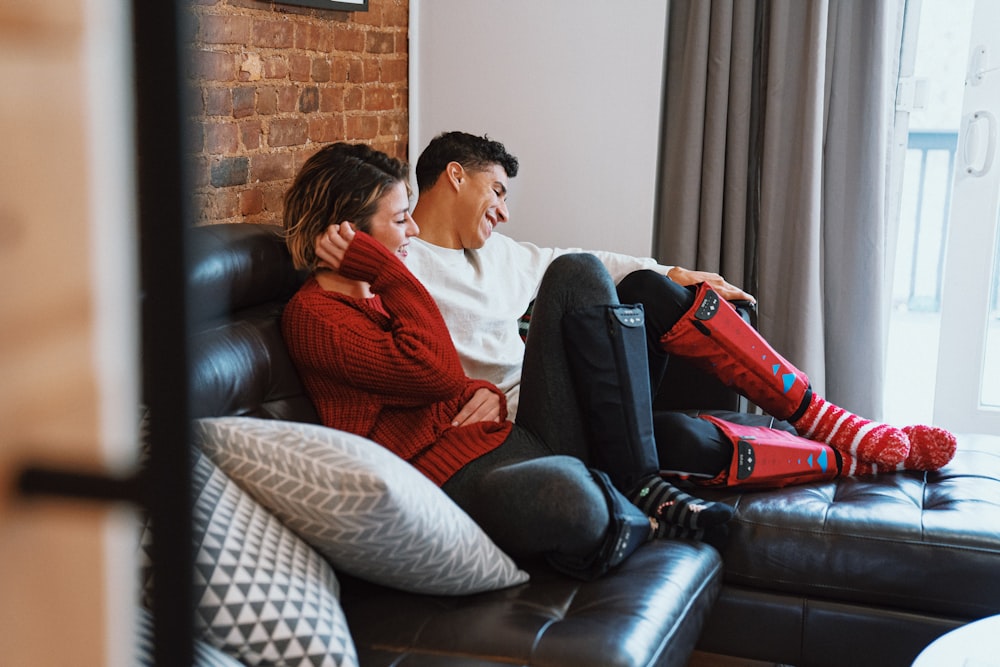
x=972, y=138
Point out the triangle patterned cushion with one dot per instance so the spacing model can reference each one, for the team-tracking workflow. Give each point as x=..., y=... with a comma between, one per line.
x=263, y=595
x=371, y=514
x=204, y=654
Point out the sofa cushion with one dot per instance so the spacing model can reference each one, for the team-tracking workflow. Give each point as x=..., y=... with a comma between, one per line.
x=369, y=512
x=240, y=277
x=262, y=594
x=647, y=611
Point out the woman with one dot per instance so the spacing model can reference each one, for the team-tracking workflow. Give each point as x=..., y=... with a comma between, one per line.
x=377, y=360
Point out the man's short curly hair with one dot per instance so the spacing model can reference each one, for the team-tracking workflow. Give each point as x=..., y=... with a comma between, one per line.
x=472, y=152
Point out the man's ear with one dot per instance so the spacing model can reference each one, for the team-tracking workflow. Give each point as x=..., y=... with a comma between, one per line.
x=455, y=173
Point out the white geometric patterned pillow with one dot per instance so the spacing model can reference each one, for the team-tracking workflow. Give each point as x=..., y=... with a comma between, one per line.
x=204, y=655
x=371, y=514
x=263, y=595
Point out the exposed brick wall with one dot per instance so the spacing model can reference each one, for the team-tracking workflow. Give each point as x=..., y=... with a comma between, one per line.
x=274, y=83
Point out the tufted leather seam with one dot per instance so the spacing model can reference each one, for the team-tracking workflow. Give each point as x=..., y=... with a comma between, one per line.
x=865, y=538
x=404, y=653
x=710, y=580
x=541, y=633
x=905, y=601
x=716, y=575
x=924, y=503
x=554, y=618
x=410, y=648
x=802, y=628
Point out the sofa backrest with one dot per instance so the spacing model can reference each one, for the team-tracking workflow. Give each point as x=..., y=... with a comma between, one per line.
x=241, y=276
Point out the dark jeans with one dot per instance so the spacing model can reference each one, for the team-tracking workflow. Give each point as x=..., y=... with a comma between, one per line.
x=534, y=494
x=664, y=302
x=684, y=443
x=531, y=501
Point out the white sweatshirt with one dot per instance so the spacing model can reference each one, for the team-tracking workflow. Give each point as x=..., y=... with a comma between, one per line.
x=483, y=293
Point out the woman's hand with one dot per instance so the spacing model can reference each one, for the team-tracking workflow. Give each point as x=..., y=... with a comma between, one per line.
x=331, y=246
x=484, y=406
x=727, y=291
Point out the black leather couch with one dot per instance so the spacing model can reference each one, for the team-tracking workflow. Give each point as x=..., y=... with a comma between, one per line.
x=864, y=571
x=853, y=572
x=861, y=572
x=649, y=611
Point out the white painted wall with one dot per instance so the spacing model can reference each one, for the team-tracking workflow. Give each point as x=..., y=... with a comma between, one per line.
x=572, y=88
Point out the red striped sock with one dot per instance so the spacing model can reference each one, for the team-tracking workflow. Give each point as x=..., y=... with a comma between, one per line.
x=931, y=448
x=860, y=438
x=851, y=467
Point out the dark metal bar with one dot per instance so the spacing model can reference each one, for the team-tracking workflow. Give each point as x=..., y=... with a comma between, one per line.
x=76, y=484
x=165, y=213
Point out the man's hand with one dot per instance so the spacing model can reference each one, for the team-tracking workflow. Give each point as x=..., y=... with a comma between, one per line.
x=331, y=246
x=727, y=291
x=484, y=406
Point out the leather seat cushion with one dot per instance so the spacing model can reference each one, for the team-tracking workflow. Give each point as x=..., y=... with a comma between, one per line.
x=648, y=612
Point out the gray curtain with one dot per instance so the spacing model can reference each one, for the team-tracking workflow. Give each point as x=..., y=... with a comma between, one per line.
x=775, y=169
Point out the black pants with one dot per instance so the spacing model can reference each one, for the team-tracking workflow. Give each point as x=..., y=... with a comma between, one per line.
x=684, y=443
x=534, y=494
x=533, y=502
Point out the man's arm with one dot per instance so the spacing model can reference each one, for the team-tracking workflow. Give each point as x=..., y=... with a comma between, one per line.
x=727, y=291
x=620, y=265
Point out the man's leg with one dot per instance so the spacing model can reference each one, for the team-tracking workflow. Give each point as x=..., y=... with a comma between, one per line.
x=599, y=364
x=697, y=325
x=548, y=404
x=712, y=450
x=664, y=302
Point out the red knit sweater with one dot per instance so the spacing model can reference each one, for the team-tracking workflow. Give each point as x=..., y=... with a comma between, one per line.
x=385, y=367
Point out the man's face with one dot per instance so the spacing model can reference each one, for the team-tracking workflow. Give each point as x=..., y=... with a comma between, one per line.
x=482, y=205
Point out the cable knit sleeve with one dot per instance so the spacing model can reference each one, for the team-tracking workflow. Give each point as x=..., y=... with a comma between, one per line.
x=407, y=358
x=385, y=367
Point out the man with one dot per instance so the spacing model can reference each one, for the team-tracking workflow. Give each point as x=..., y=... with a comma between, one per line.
x=483, y=283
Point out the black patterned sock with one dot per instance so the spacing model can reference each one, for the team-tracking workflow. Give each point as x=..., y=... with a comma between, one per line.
x=666, y=503
x=671, y=531
x=716, y=536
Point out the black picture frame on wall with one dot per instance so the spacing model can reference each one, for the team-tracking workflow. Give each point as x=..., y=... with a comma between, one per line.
x=340, y=5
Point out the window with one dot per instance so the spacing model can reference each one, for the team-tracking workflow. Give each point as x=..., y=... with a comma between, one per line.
x=944, y=333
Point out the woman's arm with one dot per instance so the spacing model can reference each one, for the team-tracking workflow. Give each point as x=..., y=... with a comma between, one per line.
x=334, y=342
x=401, y=353
x=416, y=324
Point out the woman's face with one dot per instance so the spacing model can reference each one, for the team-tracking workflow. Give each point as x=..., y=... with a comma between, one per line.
x=392, y=225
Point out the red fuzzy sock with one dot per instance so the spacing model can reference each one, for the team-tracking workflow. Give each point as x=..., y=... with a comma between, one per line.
x=931, y=448
x=851, y=467
x=860, y=438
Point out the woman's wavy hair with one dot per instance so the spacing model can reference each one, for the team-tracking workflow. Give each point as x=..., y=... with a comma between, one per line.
x=341, y=182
